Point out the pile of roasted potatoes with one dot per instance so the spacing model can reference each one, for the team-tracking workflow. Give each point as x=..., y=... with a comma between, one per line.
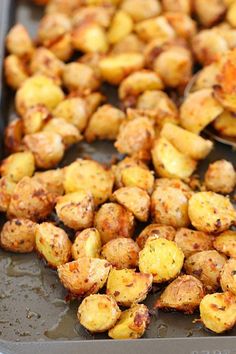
x=148, y=49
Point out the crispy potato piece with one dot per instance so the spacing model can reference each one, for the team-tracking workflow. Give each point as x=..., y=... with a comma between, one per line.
x=182, y=23
x=128, y=44
x=228, y=276
x=143, y=9
x=53, y=244
x=89, y=175
x=62, y=48
x=187, y=142
x=183, y=6
x=35, y=118
x=127, y=286
x=162, y=258
x=132, y=323
x=89, y=37
x=52, y=28
x=87, y=244
x=93, y=101
x=98, y=313
x=18, y=165
x=30, y=200
x=218, y=311
x=225, y=124
x=127, y=162
x=68, y=132
x=135, y=199
x=206, y=266
x=183, y=294
x=13, y=135
x=170, y=162
x=80, y=78
x=76, y=210
x=156, y=230
x=137, y=176
x=84, y=276
x=174, y=183
x=200, y=101
x=121, y=253
x=157, y=27
x=52, y=180
x=220, y=177
x=231, y=13
x=192, y=241
x=226, y=243
x=211, y=212
x=121, y=26
x=101, y=15
x=114, y=221
x=206, y=77
x=18, y=235
x=15, y=71
x=7, y=187
x=47, y=148
x=18, y=41
x=62, y=6
x=209, y=13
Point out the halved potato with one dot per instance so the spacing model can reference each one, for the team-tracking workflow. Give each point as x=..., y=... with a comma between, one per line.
x=156, y=230
x=228, y=276
x=87, y=243
x=18, y=165
x=220, y=177
x=226, y=243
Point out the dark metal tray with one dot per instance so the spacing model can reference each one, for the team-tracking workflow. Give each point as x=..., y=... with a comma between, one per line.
x=34, y=318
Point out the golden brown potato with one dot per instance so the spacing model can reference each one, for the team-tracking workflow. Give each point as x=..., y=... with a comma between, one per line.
x=174, y=183
x=225, y=124
x=62, y=6
x=157, y=27
x=183, y=294
x=13, y=135
x=7, y=187
x=228, y=276
x=52, y=28
x=128, y=44
x=93, y=101
x=170, y=162
x=187, y=142
x=209, y=13
x=89, y=37
x=121, y=253
x=80, y=78
x=15, y=71
x=142, y=10
x=127, y=286
x=192, y=241
x=18, y=41
x=18, y=235
x=114, y=221
x=53, y=244
x=76, y=209
x=62, y=48
x=104, y=123
x=135, y=199
x=211, y=212
x=35, y=118
x=132, y=323
x=206, y=266
x=156, y=230
x=226, y=243
x=183, y=25
x=127, y=162
x=84, y=276
x=121, y=26
x=68, y=132
x=200, y=101
x=218, y=311
x=220, y=177
x=231, y=14
x=38, y=89
x=137, y=176
x=87, y=244
x=18, y=165
x=161, y=258
x=228, y=33
x=30, y=200
x=206, y=77
x=101, y=15
x=98, y=313
x=52, y=180
x=47, y=148
x=184, y=6
x=89, y=175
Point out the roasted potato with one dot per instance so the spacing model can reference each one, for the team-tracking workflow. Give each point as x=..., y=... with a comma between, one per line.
x=161, y=258
x=182, y=23
x=156, y=230
x=114, y=221
x=68, y=132
x=98, y=313
x=220, y=177
x=157, y=27
x=52, y=28
x=174, y=183
x=137, y=176
x=87, y=244
x=226, y=243
x=101, y=15
x=80, y=78
x=52, y=180
x=183, y=6
x=129, y=44
x=225, y=124
x=211, y=212
x=18, y=41
x=35, y=118
x=206, y=266
x=53, y=244
x=121, y=26
x=127, y=286
x=183, y=294
x=231, y=14
x=18, y=165
x=93, y=101
x=18, y=235
x=127, y=162
x=206, y=77
x=62, y=48
x=143, y=9
x=13, y=135
x=228, y=276
x=89, y=37
x=62, y=6
x=209, y=13
x=15, y=71
x=84, y=276
x=7, y=187
x=76, y=210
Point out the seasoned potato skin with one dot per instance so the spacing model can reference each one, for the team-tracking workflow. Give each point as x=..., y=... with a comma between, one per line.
x=226, y=243
x=87, y=244
x=228, y=276
x=174, y=183
x=220, y=177
x=7, y=187
x=15, y=71
x=156, y=230
x=18, y=165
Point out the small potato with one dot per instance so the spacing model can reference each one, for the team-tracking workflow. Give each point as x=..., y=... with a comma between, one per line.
x=174, y=183
x=129, y=44
x=114, y=221
x=68, y=132
x=89, y=175
x=226, y=243
x=137, y=176
x=225, y=124
x=38, y=89
x=87, y=244
x=53, y=244
x=127, y=286
x=218, y=311
x=104, y=123
x=231, y=14
x=220, y=177
x=170, y=162
x=47, y=148
x=132, y=323
x=127, y=162
x=143, y=9
x=80, y=78
x=206, y=77
x=52, y=28
x=187, y=142
x=121, y=26
x=76, y=209
x=52, y=180
x=13, y=135
x=211, y=212
x=183, y=6
x=98, y=313
x=156, y=230
x=228, y=276
x=157, y=27
x=121, y=253
x=161, y=258
x=99, y=14
x=30, y=200
x=183, y=294
x=135, y=199
x=35, y=118
x=7, y=187
x=18, y=41
x=192, y=241
x=84, y=276
x=114, y=68
x=18, y=165
x=90, y=37
x=18, y=235
x=182, y=23
x=206, y=266
x=209, y=13
x=15, y=71
x=200, y=101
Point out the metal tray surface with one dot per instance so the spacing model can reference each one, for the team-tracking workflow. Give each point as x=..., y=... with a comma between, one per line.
x=34, y=317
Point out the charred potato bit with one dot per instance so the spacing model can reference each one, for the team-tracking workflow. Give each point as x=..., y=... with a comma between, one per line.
x=121, y=26
x=156, y=230
x=143, y=9
x=228, y=276
x=35, y=118
x=220, y=177
x=7, y=187
x=87, y=244
x=68, y=132
x=18, y=165
x=226, y=243
x=52, y=180
x=18, y=42
x=15, y=71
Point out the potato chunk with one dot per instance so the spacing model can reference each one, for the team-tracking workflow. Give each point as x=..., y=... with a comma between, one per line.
x=220, y=177
x=156, y=230
x=68, y=132
x=52, y=180
x=84, y=276
x=122, y=165
x=157, y=27
x=139, y=177
x=87, y=244
x=13, y=136
x=161, y=258
x=80, y=78
x=15, y=71
x=225, y=124
x=89, y=37
x=143, y=9
x=18, y=165
x=52, y=27
x=18, y=41
x=210, y=13
x=226, y=243
x=228, y=276
x=182, y=23
x=121, y=26
x=127, y=286
x=183, y=294
x=35, y=118
x=98, y=313
x=211, y=212
x=7, y=187
x=183, y=6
